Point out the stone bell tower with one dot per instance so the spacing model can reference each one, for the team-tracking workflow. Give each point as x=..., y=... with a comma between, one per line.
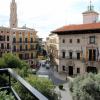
x=13, y=14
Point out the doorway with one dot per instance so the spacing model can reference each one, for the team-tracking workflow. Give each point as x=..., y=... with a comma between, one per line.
x=70, y=70
x=91, y=69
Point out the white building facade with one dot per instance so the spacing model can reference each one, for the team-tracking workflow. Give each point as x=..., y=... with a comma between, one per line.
x=75, y=49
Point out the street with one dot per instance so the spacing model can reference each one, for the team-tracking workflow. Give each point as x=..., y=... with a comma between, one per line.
x=50, y=73
x=65, y=94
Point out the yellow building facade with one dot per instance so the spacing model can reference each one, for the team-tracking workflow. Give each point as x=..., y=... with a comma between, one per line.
x=20, y=41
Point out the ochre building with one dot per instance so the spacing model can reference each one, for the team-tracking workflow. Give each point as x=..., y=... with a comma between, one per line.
x=20, y=41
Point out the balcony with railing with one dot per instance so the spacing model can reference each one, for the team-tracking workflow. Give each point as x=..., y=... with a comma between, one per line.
x=7, y=85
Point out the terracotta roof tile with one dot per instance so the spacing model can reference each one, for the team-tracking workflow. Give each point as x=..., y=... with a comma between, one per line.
x=79, y=27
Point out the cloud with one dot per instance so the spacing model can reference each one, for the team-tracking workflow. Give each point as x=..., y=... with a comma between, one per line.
x=46, y=15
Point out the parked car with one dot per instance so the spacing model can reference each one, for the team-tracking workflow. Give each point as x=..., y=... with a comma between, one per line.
x=47, y=66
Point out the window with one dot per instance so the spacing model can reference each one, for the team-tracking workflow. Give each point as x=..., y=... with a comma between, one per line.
x=70, y=55
x=20, y=47
x=70, y=41
x=8, y=46
x=63, y=41
x=78, y=55
x=26, y=40
x=31, y=40
x=63, y=68
x=21, y=56
x=7, y=38
x=2, y=38
x=31, y=55
x=26, y=47
x=63, y=54
x=14, y=48
x=92, y=40
x=26, y=56
x=32, y=47
x=78, y=70
x=2, y=45
x=20, y=40
x=14, y=40
x=78, y=40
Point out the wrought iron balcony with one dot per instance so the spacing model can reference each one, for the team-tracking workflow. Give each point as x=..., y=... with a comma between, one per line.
x=8, y=86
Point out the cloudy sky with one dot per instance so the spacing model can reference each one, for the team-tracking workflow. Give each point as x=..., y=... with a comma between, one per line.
x=46, y=15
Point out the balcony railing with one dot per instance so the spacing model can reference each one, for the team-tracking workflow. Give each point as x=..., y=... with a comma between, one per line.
x=10, y=73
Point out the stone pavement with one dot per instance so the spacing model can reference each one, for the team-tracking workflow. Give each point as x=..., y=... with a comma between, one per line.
x=64, y=94
x=62, y=76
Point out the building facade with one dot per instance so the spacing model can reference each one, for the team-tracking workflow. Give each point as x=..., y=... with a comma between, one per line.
x=20, y=41
x=75, y=49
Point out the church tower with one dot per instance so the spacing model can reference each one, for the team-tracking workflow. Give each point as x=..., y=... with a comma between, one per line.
x=90, y=16
x=13, y=14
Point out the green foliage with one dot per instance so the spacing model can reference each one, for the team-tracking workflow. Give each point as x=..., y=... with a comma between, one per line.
x=86, y=87
x=5, y=96
x=43, y=85
x=9, y=61
x=2, y=63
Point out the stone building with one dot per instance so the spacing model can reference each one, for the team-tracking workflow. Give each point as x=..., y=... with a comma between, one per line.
x=21, y=41
x=75, y=49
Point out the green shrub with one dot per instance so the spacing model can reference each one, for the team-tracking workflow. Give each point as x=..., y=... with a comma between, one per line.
x=5, y=96
x=86, y=87
x=43, y=85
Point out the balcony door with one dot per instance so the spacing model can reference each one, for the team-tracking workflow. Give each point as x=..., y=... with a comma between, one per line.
x=92, y=55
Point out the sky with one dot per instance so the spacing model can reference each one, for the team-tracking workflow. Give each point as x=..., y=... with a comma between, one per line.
x=46, y=15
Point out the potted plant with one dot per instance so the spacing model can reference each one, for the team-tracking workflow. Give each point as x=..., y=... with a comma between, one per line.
x=61, y=86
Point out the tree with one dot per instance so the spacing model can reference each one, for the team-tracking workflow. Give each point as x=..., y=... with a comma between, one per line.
x=10, y=61
x=86, y=87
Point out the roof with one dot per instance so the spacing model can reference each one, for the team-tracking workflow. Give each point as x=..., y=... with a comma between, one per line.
x=80, y=27
x=86, y=12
